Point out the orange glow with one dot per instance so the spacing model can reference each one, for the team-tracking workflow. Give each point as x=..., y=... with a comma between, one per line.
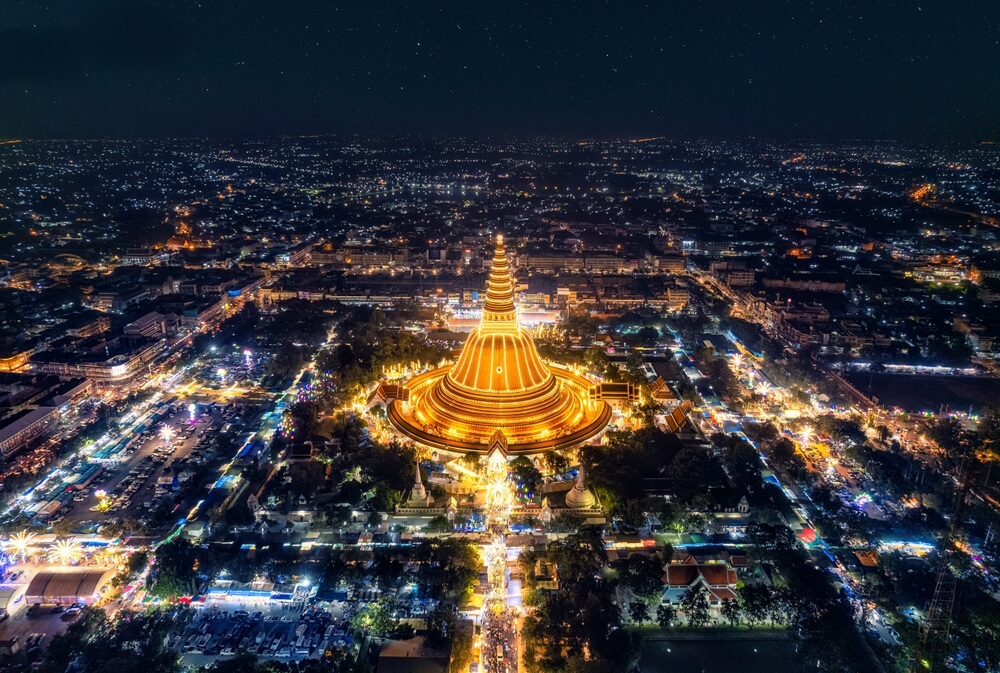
x=499, y=384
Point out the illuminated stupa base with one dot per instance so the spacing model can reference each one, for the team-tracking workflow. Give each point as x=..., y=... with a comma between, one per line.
x=467, y=428
x=499, y=383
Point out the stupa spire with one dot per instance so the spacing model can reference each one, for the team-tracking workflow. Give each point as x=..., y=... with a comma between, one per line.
x=499, y=314
x=418, y=494
x=580, y=496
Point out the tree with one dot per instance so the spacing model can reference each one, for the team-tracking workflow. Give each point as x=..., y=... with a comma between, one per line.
x=526, y=476
x=305, y=416
x=633, y=365
x=136, y=564
x=731, y=611
x=441, y=622
x=642, y=574
x=648, y=335
x=526, y=562
x=438, y=524
x=695, y=604
x=461, y=650
x=596, y=359
x=783, y=450
x=692, y=471
x=761, y=433
x=377, y=618
x=757, y=600
x=743, y=464
x=769, y=543
x=988, y=426
x=618, y=468
x=447, y=566
x=555, y=462
x=665, y=614
x=883, y=432
x=631, y=513
x=638, y=611
x=174, y=571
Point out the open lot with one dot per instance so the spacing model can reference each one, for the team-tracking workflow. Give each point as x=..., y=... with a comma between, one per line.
x=267, y=630
x=919, y=393
x=35, y=629
x=132, y=483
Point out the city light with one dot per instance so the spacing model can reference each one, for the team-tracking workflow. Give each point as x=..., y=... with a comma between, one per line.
x=19, y=544
x=683, y=319
x=65, y=552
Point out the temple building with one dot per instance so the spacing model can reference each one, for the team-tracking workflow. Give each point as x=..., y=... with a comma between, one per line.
x=499, y=384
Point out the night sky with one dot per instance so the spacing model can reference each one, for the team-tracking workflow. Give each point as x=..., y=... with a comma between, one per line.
x=906, y=69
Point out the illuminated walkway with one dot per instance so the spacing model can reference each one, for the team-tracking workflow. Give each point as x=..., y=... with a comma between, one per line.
x=498, y=652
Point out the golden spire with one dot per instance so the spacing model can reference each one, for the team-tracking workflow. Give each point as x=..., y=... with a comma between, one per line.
x=499, y=314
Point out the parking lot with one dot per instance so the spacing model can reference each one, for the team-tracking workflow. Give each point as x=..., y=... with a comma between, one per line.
x=34, y=629
x=132, y=487
x=284, y=632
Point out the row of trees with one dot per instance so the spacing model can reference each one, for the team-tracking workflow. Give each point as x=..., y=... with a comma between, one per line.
x=129, y=643
x=442, y=568
x=577, y=626
x=754, y=605
x=372, y=341
x=181, y=568
x=618, y=470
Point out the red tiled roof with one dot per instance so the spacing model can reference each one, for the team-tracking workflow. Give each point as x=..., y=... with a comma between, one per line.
x=723, y=594
x=739, y=560
x=679, y=575
x=685, y=573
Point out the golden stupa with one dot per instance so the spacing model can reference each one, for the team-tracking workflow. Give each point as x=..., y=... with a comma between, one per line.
x=499, y=384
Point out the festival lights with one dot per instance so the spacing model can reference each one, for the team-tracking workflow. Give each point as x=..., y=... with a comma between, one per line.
x=65, y=552
x=19, y=544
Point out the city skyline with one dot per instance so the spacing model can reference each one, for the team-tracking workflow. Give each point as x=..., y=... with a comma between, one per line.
x=499, y=337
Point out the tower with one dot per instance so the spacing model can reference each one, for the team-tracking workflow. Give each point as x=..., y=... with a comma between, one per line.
x=419, y=497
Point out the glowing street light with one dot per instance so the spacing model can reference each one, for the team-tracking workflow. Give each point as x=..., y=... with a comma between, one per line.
x=66, y=552
x=166, y=434
x=806, y=433
x=20, y=543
